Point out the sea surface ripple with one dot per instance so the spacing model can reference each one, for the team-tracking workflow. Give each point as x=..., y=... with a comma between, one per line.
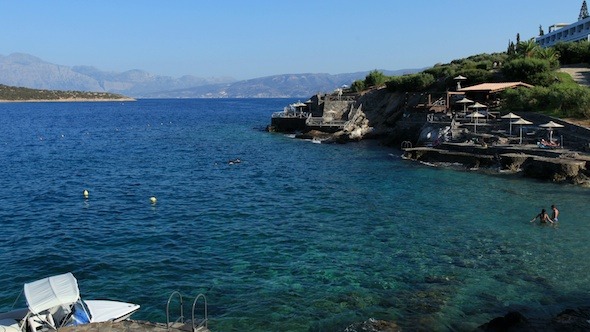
x=294, y=237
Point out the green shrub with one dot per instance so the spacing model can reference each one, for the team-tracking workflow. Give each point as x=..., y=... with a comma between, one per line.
x=526, y=70
x=358, y=86
x=375, y=78
x=573, y=52
x=441, y=71
x=559, y=99
x=410, y=83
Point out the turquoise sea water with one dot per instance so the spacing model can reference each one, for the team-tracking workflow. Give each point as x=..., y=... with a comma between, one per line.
x=296, y=237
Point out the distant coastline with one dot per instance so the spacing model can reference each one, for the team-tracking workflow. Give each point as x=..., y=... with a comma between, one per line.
x=12, y=94
x=67, y=100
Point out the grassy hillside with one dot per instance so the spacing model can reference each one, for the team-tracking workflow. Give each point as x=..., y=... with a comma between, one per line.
x=554, y=93
x=11, y=93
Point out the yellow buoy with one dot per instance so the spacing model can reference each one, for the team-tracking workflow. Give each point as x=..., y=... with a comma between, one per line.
x=85, y=193
x=153, y=200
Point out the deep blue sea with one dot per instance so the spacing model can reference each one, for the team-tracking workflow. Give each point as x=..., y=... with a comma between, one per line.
x=296, y=237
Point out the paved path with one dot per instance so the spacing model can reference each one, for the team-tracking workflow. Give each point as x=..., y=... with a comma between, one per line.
x=580, y=73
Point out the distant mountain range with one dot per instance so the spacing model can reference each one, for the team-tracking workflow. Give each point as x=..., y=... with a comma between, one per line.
x=24, y=70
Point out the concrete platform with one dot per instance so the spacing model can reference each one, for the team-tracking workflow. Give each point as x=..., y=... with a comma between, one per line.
x=130, y=326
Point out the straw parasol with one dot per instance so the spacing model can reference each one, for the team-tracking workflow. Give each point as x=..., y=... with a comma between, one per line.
x=464, y=101
x=510, y=116
x=459, y=79
x=475, y=115
x=550, y=125
x=521, y=122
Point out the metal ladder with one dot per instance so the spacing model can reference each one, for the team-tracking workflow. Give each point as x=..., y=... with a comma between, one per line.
x=180, y=322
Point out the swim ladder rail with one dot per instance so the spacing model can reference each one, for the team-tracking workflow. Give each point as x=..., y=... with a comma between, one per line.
x=205, y=320
x=202, y=324
x=179, y=319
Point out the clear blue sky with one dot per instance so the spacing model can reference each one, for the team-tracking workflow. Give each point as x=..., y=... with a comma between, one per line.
x=254, y=38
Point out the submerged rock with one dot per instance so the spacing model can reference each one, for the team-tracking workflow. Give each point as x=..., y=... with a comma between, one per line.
x=373, y=325
x=513, y=321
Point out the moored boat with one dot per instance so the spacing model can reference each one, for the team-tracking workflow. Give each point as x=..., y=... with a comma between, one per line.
x=55, y=302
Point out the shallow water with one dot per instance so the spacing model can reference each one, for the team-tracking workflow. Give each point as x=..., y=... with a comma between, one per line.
x=297, y=236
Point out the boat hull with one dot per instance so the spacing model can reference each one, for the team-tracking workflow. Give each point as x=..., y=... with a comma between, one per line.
x=106, y=310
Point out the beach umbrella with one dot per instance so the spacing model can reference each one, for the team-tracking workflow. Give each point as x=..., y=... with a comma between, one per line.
x=521, y=122
x=464, y=101
x=459, y=79
x=550, y=125
x=475, y=115
x=477, y=106
x=510, y=116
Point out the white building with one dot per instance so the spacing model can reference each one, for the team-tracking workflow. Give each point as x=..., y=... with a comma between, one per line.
x=563, y=32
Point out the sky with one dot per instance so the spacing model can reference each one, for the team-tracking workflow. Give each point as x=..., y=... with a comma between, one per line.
x=247, y=39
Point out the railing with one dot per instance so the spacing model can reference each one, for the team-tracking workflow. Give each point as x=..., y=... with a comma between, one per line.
x=180, y=320
x=205, y=320
x=319, y=122
x=297, y=115
x=406, y=145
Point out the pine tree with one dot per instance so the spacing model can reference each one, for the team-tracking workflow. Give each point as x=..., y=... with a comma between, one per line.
x=583, y=11
x=511, y=48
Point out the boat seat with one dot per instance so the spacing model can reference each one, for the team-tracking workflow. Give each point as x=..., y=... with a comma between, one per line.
x=41, y=322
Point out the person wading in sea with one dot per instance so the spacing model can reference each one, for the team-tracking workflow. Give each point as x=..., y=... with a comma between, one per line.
x=543, y=217
x=555, y=213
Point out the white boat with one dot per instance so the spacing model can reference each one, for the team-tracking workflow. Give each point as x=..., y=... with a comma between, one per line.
x=55, y=302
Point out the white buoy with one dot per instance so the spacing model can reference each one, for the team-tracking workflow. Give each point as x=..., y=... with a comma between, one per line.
x=85, y=193
x=153, y=200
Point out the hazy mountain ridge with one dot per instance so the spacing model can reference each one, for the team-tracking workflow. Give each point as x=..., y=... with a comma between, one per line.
x=24, y=70
x=276, y=86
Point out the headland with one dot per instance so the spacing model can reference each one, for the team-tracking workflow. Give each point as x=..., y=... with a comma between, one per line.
x=10, y=94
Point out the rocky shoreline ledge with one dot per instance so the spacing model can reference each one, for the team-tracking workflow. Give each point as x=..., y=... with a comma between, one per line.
x=567, y=320
x=401, y=121
x=558, y=166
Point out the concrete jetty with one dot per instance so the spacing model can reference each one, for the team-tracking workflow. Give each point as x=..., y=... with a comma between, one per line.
x=131, y=326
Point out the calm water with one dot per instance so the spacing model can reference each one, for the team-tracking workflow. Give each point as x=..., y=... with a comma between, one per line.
x=296, y=237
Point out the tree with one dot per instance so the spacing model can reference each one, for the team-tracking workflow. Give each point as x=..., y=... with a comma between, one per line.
x=375, y=78
x=511, y=48
x=527, y=49
x=550, y=54
x=358, y=86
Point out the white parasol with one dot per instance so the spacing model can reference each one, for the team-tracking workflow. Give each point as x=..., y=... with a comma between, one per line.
x=510, y=116
x=464, y=101
x=475, y=115
x=459, y=79
x=550, y=125
x=521, y=122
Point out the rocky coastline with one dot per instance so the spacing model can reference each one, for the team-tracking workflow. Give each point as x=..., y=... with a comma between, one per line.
x=397, y=121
